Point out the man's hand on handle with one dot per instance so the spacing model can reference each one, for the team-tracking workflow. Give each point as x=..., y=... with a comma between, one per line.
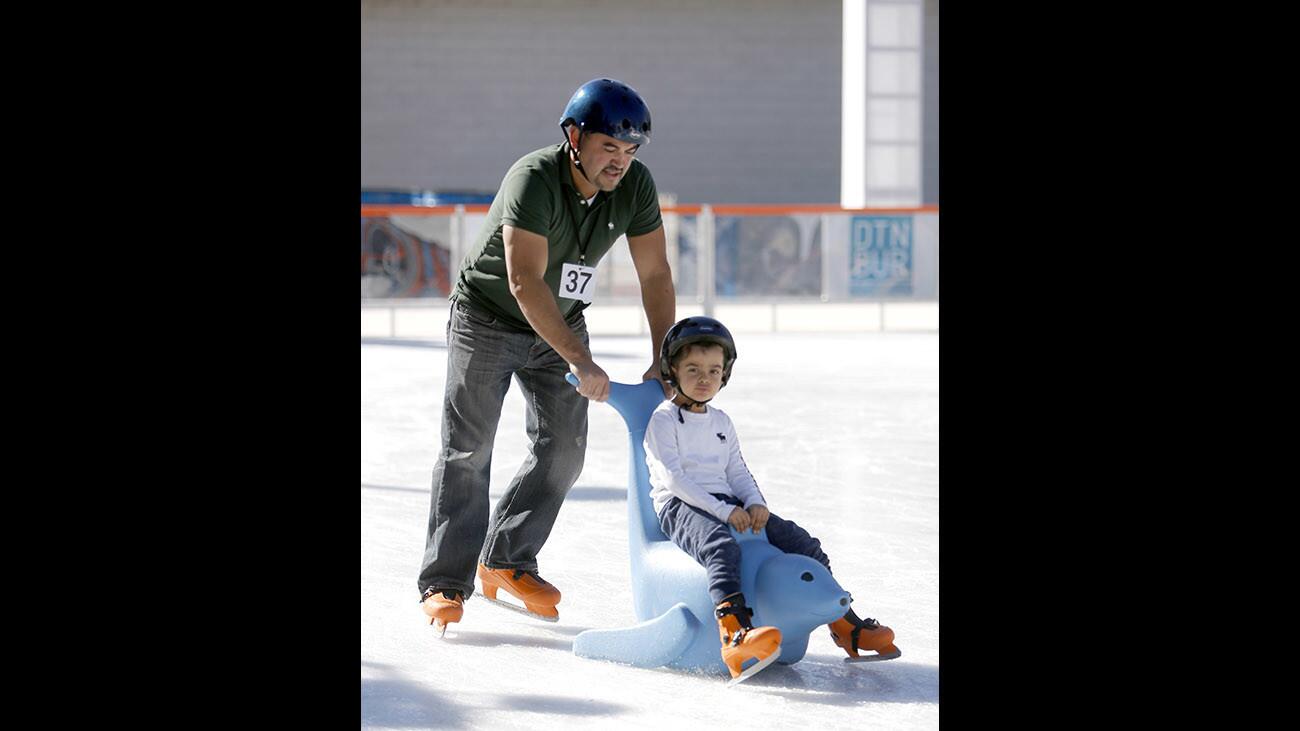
x=653, y=373
x=593, y=382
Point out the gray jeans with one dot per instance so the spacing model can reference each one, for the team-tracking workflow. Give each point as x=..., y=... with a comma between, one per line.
x=481, y=358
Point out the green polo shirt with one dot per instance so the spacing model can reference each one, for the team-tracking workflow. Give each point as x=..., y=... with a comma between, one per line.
x=538, y=195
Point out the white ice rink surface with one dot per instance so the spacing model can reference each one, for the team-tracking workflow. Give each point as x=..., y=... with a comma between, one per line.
x=842, y=434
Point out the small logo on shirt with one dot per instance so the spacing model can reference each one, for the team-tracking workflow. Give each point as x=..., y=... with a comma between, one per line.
x=722, y=437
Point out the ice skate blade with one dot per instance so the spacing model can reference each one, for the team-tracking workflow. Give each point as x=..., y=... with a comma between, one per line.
x=513, y=608
x=439, y=626
x=754, y=669
x=889, y=655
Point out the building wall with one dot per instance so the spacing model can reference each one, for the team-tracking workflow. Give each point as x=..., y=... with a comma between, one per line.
x=744, y=93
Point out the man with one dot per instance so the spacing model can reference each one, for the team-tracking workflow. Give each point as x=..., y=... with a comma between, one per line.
x=517, y=311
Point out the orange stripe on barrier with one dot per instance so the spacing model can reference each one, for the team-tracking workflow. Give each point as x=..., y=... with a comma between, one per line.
x=376, y=209
x=789, y=209
x=687, y=209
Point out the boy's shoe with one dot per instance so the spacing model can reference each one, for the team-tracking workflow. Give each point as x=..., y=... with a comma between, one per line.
x=443, y=606
x=538, y=595
x=742, y=642
x=853, y=633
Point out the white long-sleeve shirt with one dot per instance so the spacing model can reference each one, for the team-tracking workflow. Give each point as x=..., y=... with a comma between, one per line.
x=692, y=459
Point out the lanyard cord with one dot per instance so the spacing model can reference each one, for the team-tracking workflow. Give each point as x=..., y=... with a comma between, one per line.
x=577, y=229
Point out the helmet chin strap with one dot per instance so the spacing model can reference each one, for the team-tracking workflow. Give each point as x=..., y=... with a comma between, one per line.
x=573, y=156
x=573, y=153
x=691, y=404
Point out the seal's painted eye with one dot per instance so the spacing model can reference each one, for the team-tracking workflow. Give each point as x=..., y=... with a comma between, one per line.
x=806, y=576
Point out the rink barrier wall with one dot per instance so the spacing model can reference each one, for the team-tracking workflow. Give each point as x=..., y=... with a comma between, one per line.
x=422, y=320
x=785, y=268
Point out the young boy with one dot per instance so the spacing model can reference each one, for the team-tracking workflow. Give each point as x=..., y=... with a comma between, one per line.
x=700, y=485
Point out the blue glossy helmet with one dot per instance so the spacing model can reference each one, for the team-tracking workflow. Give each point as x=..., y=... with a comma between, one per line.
x=609, y=107
x=696, y=330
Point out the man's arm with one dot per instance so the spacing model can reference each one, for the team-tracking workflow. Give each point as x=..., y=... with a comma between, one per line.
x=526, y=256
x=658, y=297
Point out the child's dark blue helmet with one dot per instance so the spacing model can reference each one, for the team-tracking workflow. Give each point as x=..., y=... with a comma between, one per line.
x=699, y=331
x=609, y=107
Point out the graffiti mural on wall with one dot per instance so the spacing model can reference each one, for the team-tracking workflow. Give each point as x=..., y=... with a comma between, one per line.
x=400, y=263
x=768, y=256
x=409, y=256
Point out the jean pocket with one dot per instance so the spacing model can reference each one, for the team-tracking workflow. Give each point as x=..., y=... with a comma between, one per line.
x=475, y=316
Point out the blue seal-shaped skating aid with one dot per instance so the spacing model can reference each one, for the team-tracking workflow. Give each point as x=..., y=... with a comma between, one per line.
x=670, y=593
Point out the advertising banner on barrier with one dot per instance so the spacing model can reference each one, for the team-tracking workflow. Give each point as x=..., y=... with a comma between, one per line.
x=880, y=256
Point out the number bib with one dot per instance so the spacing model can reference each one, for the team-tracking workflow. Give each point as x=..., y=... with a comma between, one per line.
x=578, y=282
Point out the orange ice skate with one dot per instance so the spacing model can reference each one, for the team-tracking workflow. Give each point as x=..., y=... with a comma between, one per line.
x=743, y=643
x=852, y=633
x=443, y=607
x=538, y=595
